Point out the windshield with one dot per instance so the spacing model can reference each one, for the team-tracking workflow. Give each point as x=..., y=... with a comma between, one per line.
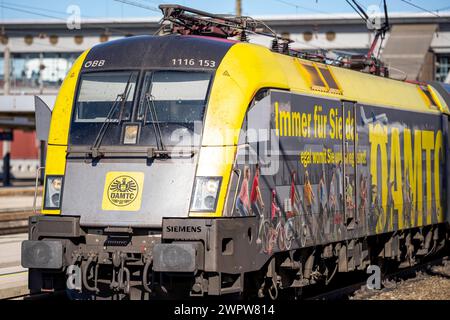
x=174, y=103
x=98, y=94
x=169, y=111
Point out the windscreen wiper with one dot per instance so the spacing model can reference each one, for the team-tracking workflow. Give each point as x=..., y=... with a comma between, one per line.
x=101, y=133
x=149, y=99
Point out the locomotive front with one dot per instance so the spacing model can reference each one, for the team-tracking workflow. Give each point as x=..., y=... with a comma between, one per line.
x=124, y=154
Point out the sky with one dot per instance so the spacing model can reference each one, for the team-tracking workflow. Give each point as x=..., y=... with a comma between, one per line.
x=57, y=9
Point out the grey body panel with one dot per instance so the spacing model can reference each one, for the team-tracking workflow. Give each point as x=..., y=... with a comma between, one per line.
x=229, y=243
x=43, y=115
x=166, y=191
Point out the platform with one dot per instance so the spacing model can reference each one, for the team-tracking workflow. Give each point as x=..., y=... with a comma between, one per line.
x=13, y=278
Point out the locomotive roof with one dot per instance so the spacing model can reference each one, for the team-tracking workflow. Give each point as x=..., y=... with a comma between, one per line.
x=144, y=52
x=160, y=52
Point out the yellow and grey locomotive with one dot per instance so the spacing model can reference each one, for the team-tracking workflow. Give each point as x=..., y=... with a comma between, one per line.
x=186, y=164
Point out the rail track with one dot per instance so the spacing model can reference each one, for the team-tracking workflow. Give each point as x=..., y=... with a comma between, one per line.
x=388, y=280
x=14, y=220
x=339, y=294
x=60, y=295
x=19, y=191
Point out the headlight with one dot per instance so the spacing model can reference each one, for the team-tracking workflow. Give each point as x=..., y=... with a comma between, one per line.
x=206, y=190
x=53, y=188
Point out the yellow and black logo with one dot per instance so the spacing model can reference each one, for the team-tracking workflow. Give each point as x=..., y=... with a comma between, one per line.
x=123, y=191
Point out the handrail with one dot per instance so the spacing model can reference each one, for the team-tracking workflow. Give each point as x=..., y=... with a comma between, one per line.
x=38, y=171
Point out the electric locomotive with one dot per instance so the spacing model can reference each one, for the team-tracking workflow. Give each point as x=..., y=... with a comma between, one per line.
x=195, y=165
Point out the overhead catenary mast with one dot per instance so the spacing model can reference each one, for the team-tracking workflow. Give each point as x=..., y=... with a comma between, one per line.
x=238, y=8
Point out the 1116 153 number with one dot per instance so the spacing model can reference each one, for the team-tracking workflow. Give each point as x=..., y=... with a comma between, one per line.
x=191, y=62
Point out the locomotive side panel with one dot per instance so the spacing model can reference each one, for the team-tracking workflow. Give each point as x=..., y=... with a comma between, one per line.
x=329, y=170
x=406, y=167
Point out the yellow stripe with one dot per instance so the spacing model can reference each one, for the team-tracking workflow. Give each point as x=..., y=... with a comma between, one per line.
x=55, y=163
x=441, y=104
x=216, y=162
x=242, y=72
x=59, y=127
x=13, y=274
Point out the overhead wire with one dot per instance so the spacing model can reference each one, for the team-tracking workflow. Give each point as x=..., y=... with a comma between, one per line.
x=308, y=8
x=38, y=8
x=139, y=5
x=421, y=8
x=305, y=8
x=337, y=16
x=30, y=12
x=300, y=6
x=102, y=26
x=442, y=9
x=23, y=8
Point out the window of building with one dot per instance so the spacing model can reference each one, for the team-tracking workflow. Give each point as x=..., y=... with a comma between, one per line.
x=2, y=70
x=442, y=67
x=330, y=35
x=29, y=70
x=307, y=36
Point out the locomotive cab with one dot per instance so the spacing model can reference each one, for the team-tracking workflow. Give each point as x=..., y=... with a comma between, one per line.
x=124, y=145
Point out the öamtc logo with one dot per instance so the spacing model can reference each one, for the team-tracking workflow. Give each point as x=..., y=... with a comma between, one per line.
x=123, y=190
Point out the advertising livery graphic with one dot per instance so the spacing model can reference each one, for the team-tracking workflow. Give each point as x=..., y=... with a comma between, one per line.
x=344, y=169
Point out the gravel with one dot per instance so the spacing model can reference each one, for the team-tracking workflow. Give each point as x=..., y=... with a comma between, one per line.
x=433, y=284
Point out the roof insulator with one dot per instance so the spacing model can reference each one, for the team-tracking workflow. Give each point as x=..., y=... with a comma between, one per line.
x=285, y=47
x=243, y=37
x=275, y=45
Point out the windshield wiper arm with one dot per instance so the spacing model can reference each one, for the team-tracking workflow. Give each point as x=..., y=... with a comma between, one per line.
x=104, y=128
x=101, y=133
x=156, y=127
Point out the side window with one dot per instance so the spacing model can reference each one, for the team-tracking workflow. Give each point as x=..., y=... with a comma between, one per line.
x=261, y=94
x=258, y=121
